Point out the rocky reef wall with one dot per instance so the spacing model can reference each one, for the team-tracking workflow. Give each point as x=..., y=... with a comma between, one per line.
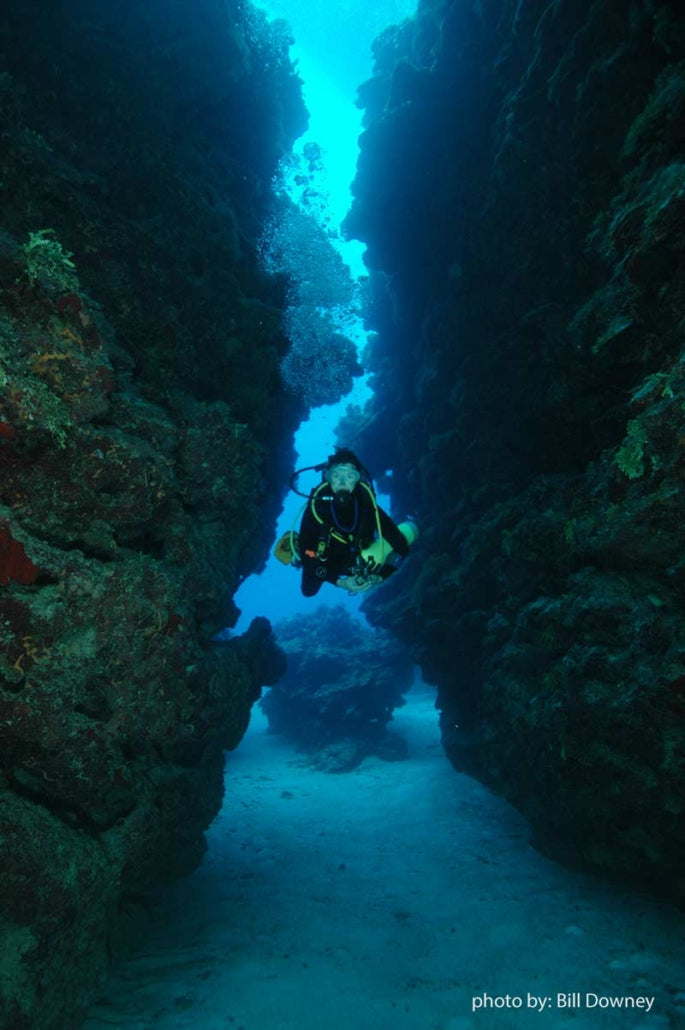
x=143, y=445
x=342, y=683
x=521, y=191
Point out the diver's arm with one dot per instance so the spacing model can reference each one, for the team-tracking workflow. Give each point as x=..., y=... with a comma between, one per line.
x=309, y=533
x=392, y=534
x=308, y=540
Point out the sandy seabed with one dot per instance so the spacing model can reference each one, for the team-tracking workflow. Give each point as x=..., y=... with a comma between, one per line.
x=401, y=896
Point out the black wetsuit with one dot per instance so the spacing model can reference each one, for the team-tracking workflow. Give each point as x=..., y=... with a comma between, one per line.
x=329, y=548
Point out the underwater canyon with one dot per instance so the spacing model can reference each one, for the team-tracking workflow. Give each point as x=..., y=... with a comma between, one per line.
x=521, y=194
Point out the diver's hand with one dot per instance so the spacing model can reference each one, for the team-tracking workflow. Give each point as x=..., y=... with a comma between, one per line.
x=353, y=585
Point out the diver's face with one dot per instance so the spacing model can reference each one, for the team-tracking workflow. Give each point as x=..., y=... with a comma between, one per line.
x=343, y=477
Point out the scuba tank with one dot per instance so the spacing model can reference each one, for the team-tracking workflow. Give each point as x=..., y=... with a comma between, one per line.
x=381, y=553
x=287, y=549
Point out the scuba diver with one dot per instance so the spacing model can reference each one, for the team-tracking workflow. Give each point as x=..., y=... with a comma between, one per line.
x=345, y=537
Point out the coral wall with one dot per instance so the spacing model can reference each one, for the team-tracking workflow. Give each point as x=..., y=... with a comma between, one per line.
x=143, y=437
x=521, y=190
x=336, y=699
